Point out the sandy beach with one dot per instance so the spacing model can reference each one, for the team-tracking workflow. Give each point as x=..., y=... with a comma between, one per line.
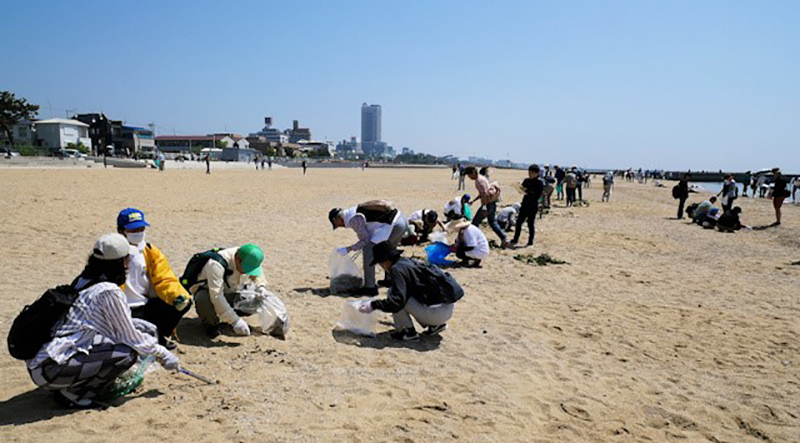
x=655, y=330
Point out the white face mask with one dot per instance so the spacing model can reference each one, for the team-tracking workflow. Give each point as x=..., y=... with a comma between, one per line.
x=135, y=238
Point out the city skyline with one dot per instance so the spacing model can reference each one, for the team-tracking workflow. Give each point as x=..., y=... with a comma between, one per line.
x=684, y=85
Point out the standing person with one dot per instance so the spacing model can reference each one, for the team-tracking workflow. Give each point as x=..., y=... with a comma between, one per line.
x=161, y=159
x=216, y=277
x=795, y=188
x=761, y=185
x=729, y=193
x=681, y=192
x=748, y=177
x=152, y=290
x=256, y=162
x=581, y=179
x=418, y=290
x=608, y=185
x=208, y=163
x=454, y=175
x=779, y=193
x=462, y=173
x=471, y=245
x=571, y=182
x=97, y=340
x=373, y=221
x=269, y=163
x=488, y=194
x=533, y=188
x=560, y=175
x=305, y=166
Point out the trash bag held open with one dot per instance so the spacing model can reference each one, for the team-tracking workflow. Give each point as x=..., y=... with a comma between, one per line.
x=345, y=274
x=272, y=313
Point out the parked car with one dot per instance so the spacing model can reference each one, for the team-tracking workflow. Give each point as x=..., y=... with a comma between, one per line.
x=73, y=153
x=7, y=152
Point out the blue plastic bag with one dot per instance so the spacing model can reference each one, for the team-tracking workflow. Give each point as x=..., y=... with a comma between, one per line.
x=437, y=254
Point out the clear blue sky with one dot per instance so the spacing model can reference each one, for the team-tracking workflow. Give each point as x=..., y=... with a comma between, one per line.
x=672, y=84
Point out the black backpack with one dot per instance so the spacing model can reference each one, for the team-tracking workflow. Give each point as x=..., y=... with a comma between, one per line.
x=676, y=192
x=198, y=262
x=33, y=327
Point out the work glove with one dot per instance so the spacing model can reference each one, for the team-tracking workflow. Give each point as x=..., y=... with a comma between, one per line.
x=170, y=362
x=240, y=327
x=341, y=251
x=366, y=307
x=181, y=302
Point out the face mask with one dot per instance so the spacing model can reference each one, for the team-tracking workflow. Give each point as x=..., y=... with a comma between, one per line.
x=135, y=238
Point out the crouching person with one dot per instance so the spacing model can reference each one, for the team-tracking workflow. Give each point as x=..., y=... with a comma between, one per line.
x=417, y=290
x=153, y=291
x=216, y=277
x=96, y=341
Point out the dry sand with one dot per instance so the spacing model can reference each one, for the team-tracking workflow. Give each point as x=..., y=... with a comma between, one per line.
x=656, y=330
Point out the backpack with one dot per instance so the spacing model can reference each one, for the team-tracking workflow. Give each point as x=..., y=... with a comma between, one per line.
x=33, y=327
x=449, y=290
x=198, y=262
x=676, y=192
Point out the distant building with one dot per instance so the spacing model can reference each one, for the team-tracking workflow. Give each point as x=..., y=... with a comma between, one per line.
x=135, y=140
x=316, y=148
x=270, y=134
x=54, y=133
x=103, y=131
x=371, y=130
x=192, y=143
x=297, y=133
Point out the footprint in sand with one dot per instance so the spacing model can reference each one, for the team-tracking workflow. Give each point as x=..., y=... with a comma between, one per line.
x=576, y=412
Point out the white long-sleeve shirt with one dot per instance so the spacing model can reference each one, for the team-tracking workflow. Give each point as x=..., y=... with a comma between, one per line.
x=101, y=310
x=214, y=276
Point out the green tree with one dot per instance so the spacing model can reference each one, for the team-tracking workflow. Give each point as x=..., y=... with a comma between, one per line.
x=12, y=110
x=221, y=143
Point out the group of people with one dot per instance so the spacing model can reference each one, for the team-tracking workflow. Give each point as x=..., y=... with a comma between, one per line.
x=129, y=303
x=730, y=193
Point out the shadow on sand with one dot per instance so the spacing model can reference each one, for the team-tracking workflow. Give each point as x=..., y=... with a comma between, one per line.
x=191, y=332
x=38, y=405
x=383, y=340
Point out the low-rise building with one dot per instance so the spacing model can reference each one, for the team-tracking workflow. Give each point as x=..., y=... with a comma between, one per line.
x=54, y=133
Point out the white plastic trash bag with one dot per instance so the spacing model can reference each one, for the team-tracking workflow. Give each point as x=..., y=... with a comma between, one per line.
x=272, y=313
x=345, y=275
x=438, y=237
x=358, y=322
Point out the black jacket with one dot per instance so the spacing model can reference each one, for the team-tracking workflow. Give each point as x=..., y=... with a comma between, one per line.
x=426, y=283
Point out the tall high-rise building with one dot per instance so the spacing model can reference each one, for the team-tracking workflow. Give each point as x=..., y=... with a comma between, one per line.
x=371, y=129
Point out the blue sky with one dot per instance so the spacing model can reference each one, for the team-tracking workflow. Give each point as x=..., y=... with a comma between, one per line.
x=670, y=84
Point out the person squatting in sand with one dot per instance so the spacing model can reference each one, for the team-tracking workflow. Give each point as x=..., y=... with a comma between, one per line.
x=216, y=277
x=97, y=340
x=422, y=222
x=471, y=246
x=417, y=290
x=152, y=290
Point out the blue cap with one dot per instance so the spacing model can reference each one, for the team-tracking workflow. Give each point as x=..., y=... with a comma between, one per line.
x=131, y=218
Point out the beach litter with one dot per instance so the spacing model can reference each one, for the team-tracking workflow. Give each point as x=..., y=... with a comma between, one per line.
x=541, y=260
x=355, y=321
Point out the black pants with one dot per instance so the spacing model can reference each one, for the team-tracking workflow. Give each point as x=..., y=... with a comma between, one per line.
x=680, y=208
x=527, y=213
x=580, y=193
x=727, y=207
x=163, y=315
x=570, y=196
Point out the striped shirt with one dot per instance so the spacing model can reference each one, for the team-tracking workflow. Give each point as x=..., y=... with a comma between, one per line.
x=100, y=309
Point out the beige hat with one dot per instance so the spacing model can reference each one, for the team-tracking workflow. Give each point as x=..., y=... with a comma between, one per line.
x=112, y=247
x=457, y=225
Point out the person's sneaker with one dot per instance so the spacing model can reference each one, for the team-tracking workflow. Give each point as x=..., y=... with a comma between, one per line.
x=70, y=400
x=408, y=334
x=434, y=330
x=366, y=292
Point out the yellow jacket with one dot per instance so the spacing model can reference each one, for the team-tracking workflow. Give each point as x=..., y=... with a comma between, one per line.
x=164, y=282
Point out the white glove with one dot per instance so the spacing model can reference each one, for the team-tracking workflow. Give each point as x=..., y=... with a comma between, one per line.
x=366, y=307
x=341, y=251
x=241, y=327
x=170, y=362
